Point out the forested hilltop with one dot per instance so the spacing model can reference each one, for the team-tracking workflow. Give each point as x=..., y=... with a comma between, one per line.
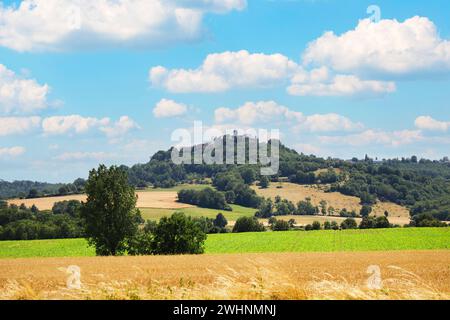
x=421, y=185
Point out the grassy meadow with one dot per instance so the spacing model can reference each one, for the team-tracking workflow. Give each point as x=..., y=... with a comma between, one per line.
x=265, y=242
x=238, y=211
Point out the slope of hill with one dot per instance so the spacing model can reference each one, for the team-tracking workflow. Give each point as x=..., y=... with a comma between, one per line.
x=421, y=185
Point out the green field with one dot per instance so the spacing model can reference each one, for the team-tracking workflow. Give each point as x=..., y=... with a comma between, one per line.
x=289, y=241
x=179, y=187
x=238, y=211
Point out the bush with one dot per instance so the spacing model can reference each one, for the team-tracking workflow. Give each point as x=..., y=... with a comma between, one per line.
x=365, y=211
x=281, y=225
x=220, y=221
x=264, y=182
x=316, y=225
x=349, y=223
x=178, y=234
x=248, y=224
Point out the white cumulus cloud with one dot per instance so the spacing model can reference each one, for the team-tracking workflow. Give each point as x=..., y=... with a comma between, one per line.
x=71, y=124
x=270, y=111
x=431, y=124
x=119, y=128
x=224, y=71
x=166, y=108
x=387, y=47
x=20, y=95
x=18, y=125
x=41, y=25
x=320, y=82
x=370, y=137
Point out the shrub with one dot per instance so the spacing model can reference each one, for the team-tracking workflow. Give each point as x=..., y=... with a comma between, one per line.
x=248, y=224
x=281, y=225
x=349, y=223
x=178, y=234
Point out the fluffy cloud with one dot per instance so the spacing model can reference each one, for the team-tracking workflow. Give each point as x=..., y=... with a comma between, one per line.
x=60, y=24
x=223, y=71
x=18, y=125
x=19, y=95
x=270, y=111
x=169, y=108
x=329, y=122
x=119, y=128
x=252, y=112
x=79, y=156
x=428, y=123
x=11, y=152
x=319, y=82
x=71, y=124
x=370, y=137
x=387, y=47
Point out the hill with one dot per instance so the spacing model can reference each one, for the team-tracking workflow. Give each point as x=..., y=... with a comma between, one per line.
x=421, y=185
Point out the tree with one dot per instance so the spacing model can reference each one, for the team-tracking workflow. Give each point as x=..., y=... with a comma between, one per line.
x=334, y=225
x=248, y=175
x=382, y=222
x=349, y=223
x=365, y=211
x=280, y=225
x=109, y=213
x=178, y=234
x=316, y=225
x=33, y=193
x=323, y=207
x=220, y=221
x=248, y=224
x=265, y=209
x=327, y=225
x=34, y=209
x=264, y=182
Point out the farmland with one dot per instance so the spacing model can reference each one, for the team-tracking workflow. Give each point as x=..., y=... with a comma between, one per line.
x=289, y=241
x=404, y=274
x=238, y=211
x=295, y=192
x=149, y=198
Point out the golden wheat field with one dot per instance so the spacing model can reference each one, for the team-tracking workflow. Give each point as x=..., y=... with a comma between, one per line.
x=404, y=275
x=161, y=199
x=294, y=192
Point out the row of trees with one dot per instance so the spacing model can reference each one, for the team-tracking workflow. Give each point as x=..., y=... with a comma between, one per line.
x=205, y=198
x=22, y=223
x=283, y=207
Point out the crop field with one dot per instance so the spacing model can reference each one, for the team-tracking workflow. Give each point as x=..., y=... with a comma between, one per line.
x=238, y=211
x=288, y=241
x=150, y=198
x=296, y=193
x=403, y=275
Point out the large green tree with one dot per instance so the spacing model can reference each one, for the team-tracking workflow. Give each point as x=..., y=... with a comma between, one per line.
x=110, y=213
x=178, y=234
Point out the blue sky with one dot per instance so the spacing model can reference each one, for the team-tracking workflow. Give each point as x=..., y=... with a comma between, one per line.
x=79, y=87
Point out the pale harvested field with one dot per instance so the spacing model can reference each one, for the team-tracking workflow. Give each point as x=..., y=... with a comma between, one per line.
x=404, y=274
x=296, y=193
x=160, y=199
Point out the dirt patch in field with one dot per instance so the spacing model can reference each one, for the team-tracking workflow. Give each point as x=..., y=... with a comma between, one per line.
x=402, y=275
x=161, y=199
x=296, y=193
